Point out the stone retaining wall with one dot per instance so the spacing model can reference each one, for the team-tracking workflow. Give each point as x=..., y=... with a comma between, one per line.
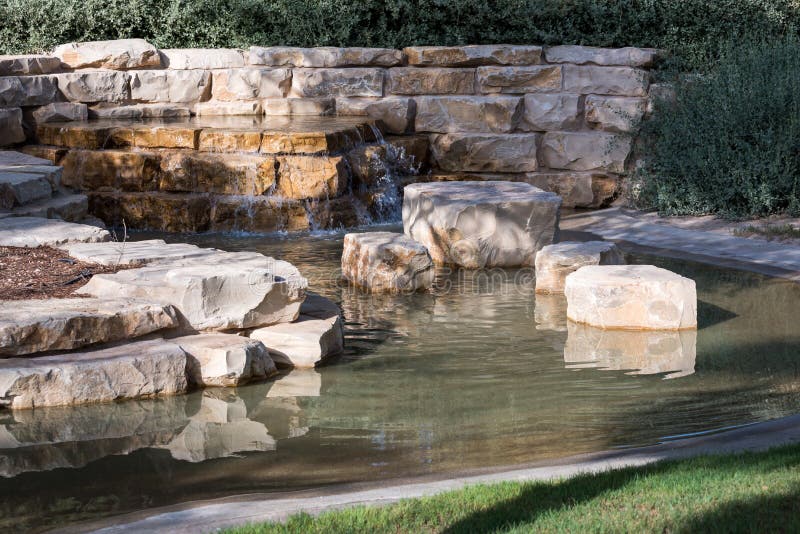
x=557, y=117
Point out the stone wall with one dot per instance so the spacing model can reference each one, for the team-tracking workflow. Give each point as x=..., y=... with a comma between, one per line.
x=560, y=117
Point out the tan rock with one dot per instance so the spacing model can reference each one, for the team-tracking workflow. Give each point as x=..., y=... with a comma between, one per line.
x=536, y=79
x=31, y=326
x=473, y=55
x=394, y=113
x=170, y=86
x=230, y=140
x=252, y=107
x=555, y=262
x=481, y=224
x=225, y=359
x=153, y=211
x=50, y=154
x=430, y=81
x=615, y=113
x=485, y=152
x=446, y=114
x=325, y=56
x=119, y=54
x=16, y=91
x=311, y=176
x=136, y=253
x=227, y=174
x=590, y=189
x=631, y=297
x=337, y=82
x=547, y=112
x=94, y=86
x=258, y=214
x=202, y=58
x=164, y=136
x=130, y=371
x=585, y=151
x=250, y=84
x=320, y=141
x=11, y=131
x=386, y=262
x=299, y=106
x=41, y=232
x=139, y=111
x=580, y=55
x=61, y=112
x=28, y=64
x=111, y=169
x=622, y=81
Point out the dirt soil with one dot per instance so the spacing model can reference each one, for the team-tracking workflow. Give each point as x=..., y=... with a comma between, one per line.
x=43, y=272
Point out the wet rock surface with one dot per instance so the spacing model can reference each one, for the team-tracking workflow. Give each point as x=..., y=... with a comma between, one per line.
x=386, y=262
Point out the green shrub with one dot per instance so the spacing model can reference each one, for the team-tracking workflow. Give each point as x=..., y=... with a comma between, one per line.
x=729, y=143
x=691, y=29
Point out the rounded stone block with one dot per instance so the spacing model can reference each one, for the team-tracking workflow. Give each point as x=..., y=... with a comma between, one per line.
x=386, y=262
x=555, y=262
x=631, y=297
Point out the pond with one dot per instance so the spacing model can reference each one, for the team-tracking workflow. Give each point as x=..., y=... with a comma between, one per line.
x=478, y=373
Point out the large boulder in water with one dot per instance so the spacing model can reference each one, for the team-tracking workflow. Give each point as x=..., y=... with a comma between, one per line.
x=386, y=262
x=555, y=262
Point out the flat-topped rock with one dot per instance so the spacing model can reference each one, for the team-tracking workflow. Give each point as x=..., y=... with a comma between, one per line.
x=324, y=56
x=61, y=112
x=626, y=57
x=202, y=58
x=555, y=262
x=72, y=208
x=39, y=232
x=386, y=262
x=16, y=65
x=10, y=158
x=31, y=326
x=317, y=334
x=484, y=152
x=473, y=55
x=19, y=188
x=119, y=54
x=631, y=297
x=481, y=224
x=445, y=114
x=215, y=293
x=130, y=371
x=135, y=252
x=225, y=359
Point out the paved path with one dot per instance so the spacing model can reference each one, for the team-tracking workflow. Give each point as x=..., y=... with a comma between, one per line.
x=771, y=258
x=209, y=516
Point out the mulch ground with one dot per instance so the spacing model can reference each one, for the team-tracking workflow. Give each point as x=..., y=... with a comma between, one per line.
x=43, y=272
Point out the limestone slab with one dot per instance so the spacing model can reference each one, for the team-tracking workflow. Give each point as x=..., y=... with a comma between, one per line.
x=72, y=208
x=118, y=54
x=41, y=232
x=473, y=55
x=631, y=297
x=202, y=58
x=31, y=326
x=15, y=158
x=205, y=109
x=324, y=56
x=395, y=113
x=351, y=82
x=225, y=359
x=250, y=83
x=547, y=112
x=135, y=252
x=20, y=65
x=430, y=81
x=615, y=113
x=589, y=189
x=585, y=151
x=481, y=224
x=16, y=91
x=139, y=111
x=61, y=112
x=288, y=107
x=11, y=131
x=555, y=262
x=170, y=86
x=94, y=86
x=485, y=152
x=580, y=55
x=19, y=188
x=130, y=371
x=620, y=81
x=448, y=114
x=535, y=79
x=386, y=262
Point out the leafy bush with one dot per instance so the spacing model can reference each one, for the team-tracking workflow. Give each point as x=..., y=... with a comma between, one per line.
x=729, y=142
x=691, y=29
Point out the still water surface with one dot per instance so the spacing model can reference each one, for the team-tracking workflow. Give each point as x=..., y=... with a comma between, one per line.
x=478, y=373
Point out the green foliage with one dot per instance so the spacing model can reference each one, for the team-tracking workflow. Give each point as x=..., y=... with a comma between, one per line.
x=691, y=29
x=729, y=143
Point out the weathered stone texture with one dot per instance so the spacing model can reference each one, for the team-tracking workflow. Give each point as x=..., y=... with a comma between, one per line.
x=170, y=86
x=585, y=151
x=579, y=55
x=394, y=113
x=615, y=113
x=555, y=262
x=337, y=82
x=11, y=131
x=227, y=174
x=430, y=81
x=473, y=55
x=97, y=170
x=485, y=152
x=446, y=114
x=202, y=58
x=225, y=359
x=139, y=111
x=120, y=54
x=251, y=107
x=311, y=176
x=536, y=79
x=250, y=84
x=546, y=112
x=326, y=56
x=61, y=112
x=94, y=86
x=621, y=81
x=386, y=262
x=230, y=140
x=19, y=188
x=590, y=189
x=290, y=107
x=18, y=91
x=40, y=232
x=22, y=65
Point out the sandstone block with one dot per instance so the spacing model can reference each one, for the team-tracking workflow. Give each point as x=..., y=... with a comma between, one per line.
x=41, y=232
x=631, y=297
x=202, y=58
x=11, y=131
x=18, y=91
x=585, y=151
x=311, y=176
x=170, y=86
x=139, y=111
x=252, y=107
x=96, y=170
x=28, y=64
x=430, y=81
x=131, y=371
x=31, y=326
x=119, y=54
x=227, y=174
x=621, y=81
x=473, y=55
x=481, y=224
x=485, y=152
x=225, y=359
x=590, y=189
x=547, y=112
x=394, y=113
x=250, y=84
x=615, y=113
x=230, y=140
x=159, y=136
x=325, y=56
x=536, y=79
x=386, y=262
x=555, y=262
x=445, y=114
x=299, y=106
x=61, y=112
x=581, y=55
x=258, y=214
x=94, y=86
x=337, y=82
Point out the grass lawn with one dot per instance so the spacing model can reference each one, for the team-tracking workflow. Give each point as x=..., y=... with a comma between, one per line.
x=753, y=492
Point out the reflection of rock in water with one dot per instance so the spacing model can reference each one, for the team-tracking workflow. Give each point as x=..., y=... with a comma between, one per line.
x=220, y=428
x=298, y=383
x=644, y=352
x=550, y=312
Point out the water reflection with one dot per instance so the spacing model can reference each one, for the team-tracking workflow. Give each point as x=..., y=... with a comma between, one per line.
x=640, y=352
x=550, y=312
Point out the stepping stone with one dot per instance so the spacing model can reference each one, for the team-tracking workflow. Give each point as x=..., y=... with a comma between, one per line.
x=317, y=334
x=131, y=371
x=645, y=352
x=481, y=224
x=216, y=293
x=386, y=262
x=72, y=208
x=631, y=297
x=14, y=158
x=225, y=359
x=135, y=252
x=19, y=188
x=31, y=326
x=40, y=232
x=555, y=262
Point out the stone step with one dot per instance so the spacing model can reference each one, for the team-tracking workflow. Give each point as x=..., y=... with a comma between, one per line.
x=20, y=188
x=135, y=252
x=32, y=326
x=41, y=232
x=134, y=370
x=225, y=359
x=68, y=207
